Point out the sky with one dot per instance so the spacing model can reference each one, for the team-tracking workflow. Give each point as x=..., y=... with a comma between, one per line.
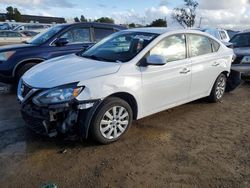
x=214, y=13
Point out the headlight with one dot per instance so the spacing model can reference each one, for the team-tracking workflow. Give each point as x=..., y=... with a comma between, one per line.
x=57, y=95
x=4, y=56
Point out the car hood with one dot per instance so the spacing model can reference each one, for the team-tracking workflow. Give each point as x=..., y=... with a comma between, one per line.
x=67, y=69
x=15, y=47
x=242, y=51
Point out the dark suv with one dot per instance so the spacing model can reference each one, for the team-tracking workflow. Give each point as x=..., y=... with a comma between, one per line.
x=59, y=40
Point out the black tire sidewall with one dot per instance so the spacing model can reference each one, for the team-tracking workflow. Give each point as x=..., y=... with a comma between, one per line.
x=104, y=107
x=24, y=69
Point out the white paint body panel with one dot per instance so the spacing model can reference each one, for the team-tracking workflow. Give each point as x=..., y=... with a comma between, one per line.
x=155, y=88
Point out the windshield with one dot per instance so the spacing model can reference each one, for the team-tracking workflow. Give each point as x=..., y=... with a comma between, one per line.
x=44, y=36
x=119, y=47
x=241, y=40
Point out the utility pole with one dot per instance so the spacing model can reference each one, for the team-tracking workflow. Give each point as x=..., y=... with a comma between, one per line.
x=200, y=22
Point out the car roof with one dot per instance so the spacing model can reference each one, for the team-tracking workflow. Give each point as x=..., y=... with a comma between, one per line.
x=95, y=24
x=162, y=30
x=243, y=32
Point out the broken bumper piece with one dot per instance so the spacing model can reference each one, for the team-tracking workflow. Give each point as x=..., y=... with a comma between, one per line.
x=55, y=119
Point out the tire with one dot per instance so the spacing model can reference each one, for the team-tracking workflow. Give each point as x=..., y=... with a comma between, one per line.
x=219, y=89
x=23, y=69
x=105, y=127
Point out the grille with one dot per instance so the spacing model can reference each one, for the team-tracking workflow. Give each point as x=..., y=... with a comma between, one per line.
x=34, y=123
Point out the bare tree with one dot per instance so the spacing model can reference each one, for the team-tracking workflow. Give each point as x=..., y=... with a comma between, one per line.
x=186, y=15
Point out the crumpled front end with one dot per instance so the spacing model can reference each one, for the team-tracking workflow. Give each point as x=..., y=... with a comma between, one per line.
x=53, y=119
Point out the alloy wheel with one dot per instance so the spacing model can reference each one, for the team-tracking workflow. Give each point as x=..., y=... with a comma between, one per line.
x=114, y=122
x=220, y=89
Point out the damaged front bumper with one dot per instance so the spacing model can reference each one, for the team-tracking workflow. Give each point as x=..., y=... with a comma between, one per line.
x=67, y=118
x=52, y=119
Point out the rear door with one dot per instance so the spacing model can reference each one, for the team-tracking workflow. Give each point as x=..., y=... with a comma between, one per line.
x=168, y=85
x=205, y=64
x=100, y=33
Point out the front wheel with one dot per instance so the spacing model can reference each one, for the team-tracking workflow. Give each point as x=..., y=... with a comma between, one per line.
x=111, y=120
x=219, y=88
x=24, y=69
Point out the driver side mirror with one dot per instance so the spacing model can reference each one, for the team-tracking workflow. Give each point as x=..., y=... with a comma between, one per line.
x=156, y=60
x=61, y=42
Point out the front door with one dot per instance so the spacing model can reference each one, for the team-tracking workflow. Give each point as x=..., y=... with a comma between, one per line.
x=168, y=85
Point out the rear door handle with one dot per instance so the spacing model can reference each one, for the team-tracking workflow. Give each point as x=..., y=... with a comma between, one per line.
x=215, y=64
x=185, y=71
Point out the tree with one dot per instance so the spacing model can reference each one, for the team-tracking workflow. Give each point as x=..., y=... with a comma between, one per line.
x=158, y=23
x=83, y=19
x=13, y=14
x=105, y=20
x=17, y=15
x=76, y=19
x=186, y=16
x=132, y=25
x=10, y=13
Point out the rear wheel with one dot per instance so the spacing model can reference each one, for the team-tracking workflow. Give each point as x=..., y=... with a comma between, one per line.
x=23, y=69
x=112, y=119
x=219, y=88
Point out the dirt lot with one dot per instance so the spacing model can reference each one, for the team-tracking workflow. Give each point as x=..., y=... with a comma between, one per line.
x=194, y=145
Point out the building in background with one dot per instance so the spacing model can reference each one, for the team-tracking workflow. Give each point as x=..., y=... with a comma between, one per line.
x=36, y=19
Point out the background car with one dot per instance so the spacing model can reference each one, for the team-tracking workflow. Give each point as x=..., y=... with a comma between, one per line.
x=241, y=45
x=29, y=33
x=129, y=75
x=31, y=27
x=11, y=37
x=4, y=26
x=220, y=34
x=231, y=33
x=59, y=40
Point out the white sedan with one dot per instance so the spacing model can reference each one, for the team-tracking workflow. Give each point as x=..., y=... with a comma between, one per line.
x=12, y=37
x=127, y=76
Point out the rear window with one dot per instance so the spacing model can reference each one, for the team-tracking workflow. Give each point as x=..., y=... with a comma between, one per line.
x=101, y=33
x=241, y=40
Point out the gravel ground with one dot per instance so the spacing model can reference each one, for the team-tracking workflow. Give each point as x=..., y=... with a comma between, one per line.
x=194, y=145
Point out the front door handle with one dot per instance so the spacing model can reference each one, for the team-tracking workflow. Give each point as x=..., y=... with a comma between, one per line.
x=215, y=64
x=185, y=71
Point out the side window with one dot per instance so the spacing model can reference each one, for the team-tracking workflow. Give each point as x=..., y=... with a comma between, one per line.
x=101, y=33
x=223, y=35
x=173, y=48
x=216, y=45
x=199, y=45
x=77, y=35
